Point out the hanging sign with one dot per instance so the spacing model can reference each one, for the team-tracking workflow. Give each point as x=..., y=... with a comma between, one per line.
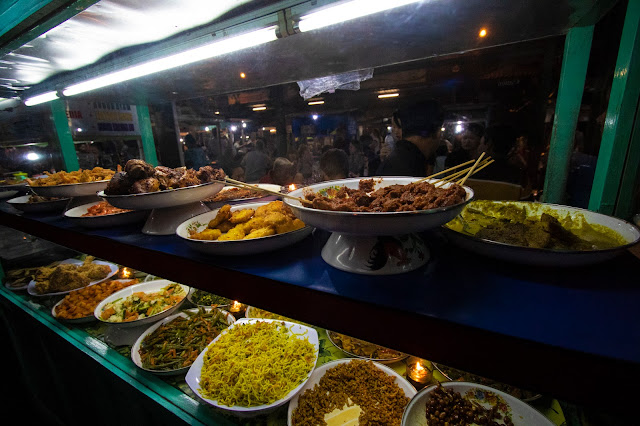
x=102, y=118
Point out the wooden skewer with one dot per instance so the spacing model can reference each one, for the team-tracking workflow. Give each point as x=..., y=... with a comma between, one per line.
x=240, y=184
x=446, y=171
x=455, y=175
x=463, y=180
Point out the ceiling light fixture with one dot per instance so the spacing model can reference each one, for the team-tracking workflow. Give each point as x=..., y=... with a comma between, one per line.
x=388, y=95
x=261, y=108
x=347, y=11
x=39, y=99
x=316, y=103
x=224, y=46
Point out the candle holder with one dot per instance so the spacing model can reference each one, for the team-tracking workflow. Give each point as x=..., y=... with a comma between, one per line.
x=237, y=309
x=419, y=372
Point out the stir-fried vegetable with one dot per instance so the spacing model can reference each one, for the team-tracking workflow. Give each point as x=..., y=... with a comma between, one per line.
x=141, y=305
x=178, y=343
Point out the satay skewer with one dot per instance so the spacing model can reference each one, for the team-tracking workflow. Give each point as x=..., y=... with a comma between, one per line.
x=450, y=169
x=463, y=180
x=240, y=184
x=460, y=173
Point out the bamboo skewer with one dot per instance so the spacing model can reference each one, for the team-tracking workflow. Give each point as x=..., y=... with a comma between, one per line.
x=460, y=173
x=463, y=180
x=446, y=171
x=240, y=184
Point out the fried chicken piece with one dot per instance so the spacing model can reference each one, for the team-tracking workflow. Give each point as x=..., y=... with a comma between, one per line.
x=260, y=232
x=290, y=225
x=224, y=213
x=189, y=178
x=145, y=185
x=225, y=226
x=209, y=174
x=241, y=216
x=119, y=184
x=207, y=234
x=138, y=169
x=254, y=223
x=235, y=233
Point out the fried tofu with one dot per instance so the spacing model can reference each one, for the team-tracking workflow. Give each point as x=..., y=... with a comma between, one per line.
x=224, y=213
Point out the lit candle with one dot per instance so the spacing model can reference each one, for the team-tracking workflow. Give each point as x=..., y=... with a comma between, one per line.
x=292, y=187
x=417, y=371
x=125, y=273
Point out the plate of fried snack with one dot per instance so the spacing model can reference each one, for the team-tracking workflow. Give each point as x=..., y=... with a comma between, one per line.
x=38, y=204
x=79, y=305
x=69, y=275
x=141, y=186
x=244, y=229
x=361, y=349
x=102, y=214
x=78, y=183
x=18, y=279
x=234, y=195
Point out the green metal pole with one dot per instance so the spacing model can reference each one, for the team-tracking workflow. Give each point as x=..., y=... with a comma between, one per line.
x=618, y=125
x=146, y=133
x=577, y=47
x=61, y=123
x=625, y=204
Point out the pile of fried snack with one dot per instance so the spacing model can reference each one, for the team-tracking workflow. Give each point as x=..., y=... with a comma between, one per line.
x=69, y=276
x=269, y=219
x=78, y=176
x=139, y=177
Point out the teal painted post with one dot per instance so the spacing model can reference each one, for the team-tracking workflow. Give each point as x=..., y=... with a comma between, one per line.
x=146, y=133
x=577, y=48
x=629, y=184
x=61, y=123
x=618, y=124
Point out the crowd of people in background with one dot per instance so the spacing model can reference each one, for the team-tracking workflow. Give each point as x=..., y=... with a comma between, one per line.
x=414, y=144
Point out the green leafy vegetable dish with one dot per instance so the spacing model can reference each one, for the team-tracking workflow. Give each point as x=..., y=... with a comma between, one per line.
x=534, y=225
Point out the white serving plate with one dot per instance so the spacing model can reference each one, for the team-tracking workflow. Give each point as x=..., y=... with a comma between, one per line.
x=147, y=287
x=193, y=375
x=22, y=203
x=7, y=194
x=267, y=197
x=31, y=288
x=135, y=350
x=107, y=220
x=237, y=247
x=373, y=223
x=70, y=189
x=319, y=372
x=379, y=360
x=164, y=199
x=522, y=414
x=82, y=320
x=548, y=257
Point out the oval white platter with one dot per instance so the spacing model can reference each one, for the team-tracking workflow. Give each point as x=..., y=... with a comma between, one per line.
x=135, y=349
x=146, y=287
x=75, y=215
x=373, y=223
x=319, y=372
x=193, y=375
x=237, y=247
x=31, y=288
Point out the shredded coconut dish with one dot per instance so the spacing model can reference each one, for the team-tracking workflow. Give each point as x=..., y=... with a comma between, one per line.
x=254, y=364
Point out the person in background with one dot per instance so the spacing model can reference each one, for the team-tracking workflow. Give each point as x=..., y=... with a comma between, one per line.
x=471, y=145
x=194, y=157
x=334, y=164
x=305, y=161
x=282, y=173
x=357, y=159
x=419, y=124
x=501, y=139
x=441, y=157
x=255, y=163
x=519, y=157
x=376, y=141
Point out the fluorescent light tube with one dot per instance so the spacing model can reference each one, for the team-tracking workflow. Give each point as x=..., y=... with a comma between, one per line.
x=347, y=11
x=388, y=95
x=316, y=103
x=45, y=97
x=227, y=45
x=260, y=108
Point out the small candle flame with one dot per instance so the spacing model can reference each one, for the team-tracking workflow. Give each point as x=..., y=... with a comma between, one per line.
x=125, y=272
x=236, y=306
x=292, y=187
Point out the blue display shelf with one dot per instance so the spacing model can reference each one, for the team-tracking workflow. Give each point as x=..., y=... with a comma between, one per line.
x=558, y=331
